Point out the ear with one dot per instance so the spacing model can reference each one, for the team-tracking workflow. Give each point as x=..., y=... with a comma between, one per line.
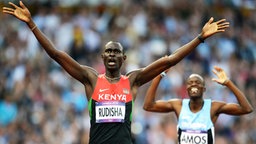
x=124, y=57
x=204, y=89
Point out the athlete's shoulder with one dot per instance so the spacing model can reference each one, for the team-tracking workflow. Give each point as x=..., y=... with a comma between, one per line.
x=216, y=102
x=132, y=72
x=88, y=68
x=185, y=100
x=176, y=101
x=216, y=105
x=208, y=100
x=101, y=76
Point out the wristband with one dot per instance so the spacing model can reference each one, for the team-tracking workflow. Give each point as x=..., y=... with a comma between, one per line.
x=163, y=74
x=33, y=28
x=201, y=39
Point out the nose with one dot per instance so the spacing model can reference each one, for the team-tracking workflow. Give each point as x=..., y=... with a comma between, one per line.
x=112, y=53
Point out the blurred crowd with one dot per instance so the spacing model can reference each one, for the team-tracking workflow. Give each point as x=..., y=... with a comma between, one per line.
x=41, y=104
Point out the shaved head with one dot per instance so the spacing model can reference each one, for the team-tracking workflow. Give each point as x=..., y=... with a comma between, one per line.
x=198, y=76
x=114, y=44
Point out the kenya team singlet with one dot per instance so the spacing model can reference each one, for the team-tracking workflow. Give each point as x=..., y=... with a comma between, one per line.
x=111, y=112
x=195, y=128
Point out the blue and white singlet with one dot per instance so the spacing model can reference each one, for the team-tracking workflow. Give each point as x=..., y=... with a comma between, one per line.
x=195, y=128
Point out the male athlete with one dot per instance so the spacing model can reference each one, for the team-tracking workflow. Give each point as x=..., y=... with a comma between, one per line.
x=196, y=115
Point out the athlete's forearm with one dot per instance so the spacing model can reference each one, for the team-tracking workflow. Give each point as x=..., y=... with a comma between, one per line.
x=43, y=40
x=68, y=63
x=151, y=94
x=183, y=51
x=242, y=100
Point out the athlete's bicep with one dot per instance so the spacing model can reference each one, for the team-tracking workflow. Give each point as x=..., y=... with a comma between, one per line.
x=73, y=68
x=231, y=109
x=146, y=74
x=161, y=106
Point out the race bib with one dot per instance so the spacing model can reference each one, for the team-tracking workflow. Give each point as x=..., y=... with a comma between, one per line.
x=110, y=111
x=193, y=137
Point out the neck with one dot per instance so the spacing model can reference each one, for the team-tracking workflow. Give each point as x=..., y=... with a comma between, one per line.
x=112, y=78
x=196, y=104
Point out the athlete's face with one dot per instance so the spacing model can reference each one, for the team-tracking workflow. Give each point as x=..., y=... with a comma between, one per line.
x=195, y=86
x=113, y=56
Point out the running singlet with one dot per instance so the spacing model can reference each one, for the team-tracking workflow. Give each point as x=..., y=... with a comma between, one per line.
x=111, y=112
x=195, y=128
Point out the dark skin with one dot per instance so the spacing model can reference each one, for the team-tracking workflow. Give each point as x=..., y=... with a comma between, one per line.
x=195, y=88
x=113, y=55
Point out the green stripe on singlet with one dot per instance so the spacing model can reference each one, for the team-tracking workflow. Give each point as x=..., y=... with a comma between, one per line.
x=132, y=111
x=90, y=107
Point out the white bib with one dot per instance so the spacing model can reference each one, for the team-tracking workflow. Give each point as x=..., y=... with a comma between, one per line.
x=193, y=137
x=110, y=111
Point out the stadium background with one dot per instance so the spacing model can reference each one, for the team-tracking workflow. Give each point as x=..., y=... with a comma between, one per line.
x=41, y=104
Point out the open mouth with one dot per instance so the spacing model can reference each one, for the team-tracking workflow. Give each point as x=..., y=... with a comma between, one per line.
x=111, y=62
x=194, y=90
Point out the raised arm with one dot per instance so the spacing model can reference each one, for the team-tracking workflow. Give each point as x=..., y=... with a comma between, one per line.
x=150, y=104
x=154, y=69
x=70, y=65
x=243, y=106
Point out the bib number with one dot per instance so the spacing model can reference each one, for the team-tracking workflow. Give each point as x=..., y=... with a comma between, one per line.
x=110, y=111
